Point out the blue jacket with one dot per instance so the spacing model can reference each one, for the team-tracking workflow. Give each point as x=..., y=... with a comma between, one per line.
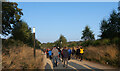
x=50, y=53
x=69, y=51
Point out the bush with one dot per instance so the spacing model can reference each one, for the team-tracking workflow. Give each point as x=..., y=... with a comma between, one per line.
x=96, y=43
x=11, y=42
x=105, y=42
x=86, y=43
x=115, y=40
x=100, y=42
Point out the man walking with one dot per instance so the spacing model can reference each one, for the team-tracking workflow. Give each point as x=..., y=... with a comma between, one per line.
x=55, y=56
x=69, y=51
x=78, y=53
x=65, y=57
x=62, y=53
x=47, y=52
x=81, y=53
x=59, y=52
x=50, y=54
x=73, y=52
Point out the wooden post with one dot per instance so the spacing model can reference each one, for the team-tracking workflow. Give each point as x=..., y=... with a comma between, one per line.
x=34, y=51
x=34, y=45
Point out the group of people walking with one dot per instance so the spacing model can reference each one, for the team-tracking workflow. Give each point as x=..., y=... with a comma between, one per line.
x=64, y=54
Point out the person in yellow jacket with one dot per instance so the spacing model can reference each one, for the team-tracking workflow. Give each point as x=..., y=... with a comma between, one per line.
x=81, y=53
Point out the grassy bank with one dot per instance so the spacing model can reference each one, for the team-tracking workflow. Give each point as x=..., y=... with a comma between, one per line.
x=16, y=55
x=106, y=54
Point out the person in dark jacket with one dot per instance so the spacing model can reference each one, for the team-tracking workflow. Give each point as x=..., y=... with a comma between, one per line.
x=78, y=53
x=65, y=57
x=62, y=54
x=73, y=52
x=47, y=52
x=59, y=51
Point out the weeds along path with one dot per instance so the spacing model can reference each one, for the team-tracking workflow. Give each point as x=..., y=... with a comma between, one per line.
x=21, y=57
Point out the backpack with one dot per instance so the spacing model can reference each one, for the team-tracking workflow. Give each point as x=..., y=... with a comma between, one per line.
x=65, y=53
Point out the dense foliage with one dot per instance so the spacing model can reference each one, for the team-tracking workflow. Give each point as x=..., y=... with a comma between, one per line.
x=22, y=32
x=12, y=24
x=11, y=15
x=110, y=28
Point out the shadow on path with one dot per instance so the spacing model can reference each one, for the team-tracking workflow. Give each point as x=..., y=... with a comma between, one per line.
x=95, y=69
x=48, y=67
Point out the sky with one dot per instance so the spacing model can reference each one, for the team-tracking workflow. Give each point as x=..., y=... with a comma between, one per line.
x=63, y=0
x=51, y=19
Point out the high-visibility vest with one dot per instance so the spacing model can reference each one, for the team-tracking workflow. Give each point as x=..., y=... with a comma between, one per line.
x=81, y=51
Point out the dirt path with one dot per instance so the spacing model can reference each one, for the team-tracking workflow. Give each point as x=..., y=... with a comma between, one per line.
x=80, y=65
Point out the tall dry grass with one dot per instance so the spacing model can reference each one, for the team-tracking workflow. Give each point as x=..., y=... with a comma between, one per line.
x=21, y=57
x=107, y=54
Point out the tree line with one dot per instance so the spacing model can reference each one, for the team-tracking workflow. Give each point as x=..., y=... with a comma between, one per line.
x=19, y=29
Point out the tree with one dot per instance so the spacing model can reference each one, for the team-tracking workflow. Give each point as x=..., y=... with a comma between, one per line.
x=22, y=32
x=11, y=15
x=104, y=27
x=110, y=28
x=61, y=42
x=87, y=34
